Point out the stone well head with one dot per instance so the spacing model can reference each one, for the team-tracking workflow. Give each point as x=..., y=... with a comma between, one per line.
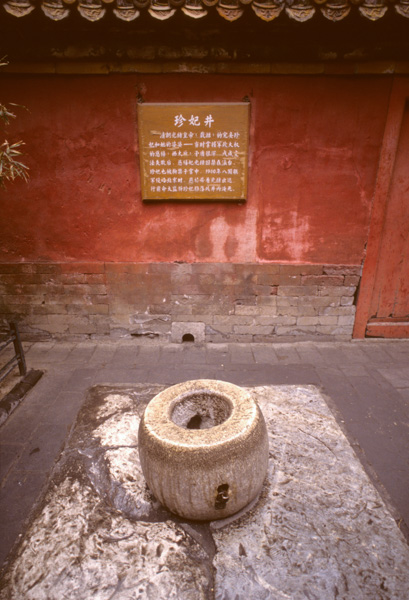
x=203, y=449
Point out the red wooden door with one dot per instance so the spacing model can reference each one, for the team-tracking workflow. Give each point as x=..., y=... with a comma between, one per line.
x=383, y=304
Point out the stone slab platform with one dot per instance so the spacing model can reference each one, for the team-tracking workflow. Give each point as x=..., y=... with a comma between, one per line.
x=319, y=530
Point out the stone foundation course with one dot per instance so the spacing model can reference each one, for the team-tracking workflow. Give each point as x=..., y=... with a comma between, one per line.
x=201, y=302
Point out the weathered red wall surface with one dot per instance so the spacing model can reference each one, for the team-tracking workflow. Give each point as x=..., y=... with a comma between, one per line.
x=314, y=152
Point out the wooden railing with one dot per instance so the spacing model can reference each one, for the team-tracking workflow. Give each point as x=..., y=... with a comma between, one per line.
x=6, y=339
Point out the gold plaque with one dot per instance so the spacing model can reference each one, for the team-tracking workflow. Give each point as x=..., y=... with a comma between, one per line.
x=194, y=151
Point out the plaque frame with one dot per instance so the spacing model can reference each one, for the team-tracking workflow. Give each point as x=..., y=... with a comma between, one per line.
x=194, y=151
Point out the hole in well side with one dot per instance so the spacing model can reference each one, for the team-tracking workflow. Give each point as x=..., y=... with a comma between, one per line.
x=222, y=496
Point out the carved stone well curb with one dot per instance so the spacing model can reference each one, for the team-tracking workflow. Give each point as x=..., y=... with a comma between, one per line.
x=203, y=448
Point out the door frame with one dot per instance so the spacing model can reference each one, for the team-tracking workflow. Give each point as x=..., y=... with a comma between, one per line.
x=398, y=98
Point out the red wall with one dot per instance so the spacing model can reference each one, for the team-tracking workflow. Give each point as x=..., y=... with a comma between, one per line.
x=314, y=145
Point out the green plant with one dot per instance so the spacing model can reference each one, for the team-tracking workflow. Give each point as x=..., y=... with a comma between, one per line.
x=11, y=166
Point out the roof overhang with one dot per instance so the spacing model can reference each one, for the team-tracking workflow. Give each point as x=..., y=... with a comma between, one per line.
x=231, y=10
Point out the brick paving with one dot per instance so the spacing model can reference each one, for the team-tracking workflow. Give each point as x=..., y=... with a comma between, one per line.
x=366, y=384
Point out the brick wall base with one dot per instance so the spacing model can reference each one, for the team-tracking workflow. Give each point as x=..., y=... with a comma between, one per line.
x=213, y=302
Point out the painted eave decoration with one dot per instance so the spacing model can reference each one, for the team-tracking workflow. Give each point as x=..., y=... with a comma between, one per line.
x=231, y=10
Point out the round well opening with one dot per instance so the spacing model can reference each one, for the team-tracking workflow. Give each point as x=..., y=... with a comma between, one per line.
x=201, y=410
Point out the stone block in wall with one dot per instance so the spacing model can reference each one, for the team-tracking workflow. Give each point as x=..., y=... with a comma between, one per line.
x=289, y=280
x=163, y=308
x=301, y=269
x=346, y=320
x=318, y=301
x=253, y=329
x=243, y=300
x=297, y=331
x=195, y=318
x=351, y=280
x=262, y=300
x=307, y=321
x=188, y=331
x=214, y=309
x=323, y=280
x=268, y=279
x=230, y=320
x=337, y=310
x=284, y=319
x=284, y=302
x=150, y=325
x=294, y=311
x=304, y=310
x=341, y=270
x=243, y=309
x=214, y=268
x=184, y=309
x=10, y=268
x=337, y=290
x=263, y=291
x=328, y=320
x=347, y=300
x=81, y=267
x=85, y=309
x=221, y=331
x=297, y=290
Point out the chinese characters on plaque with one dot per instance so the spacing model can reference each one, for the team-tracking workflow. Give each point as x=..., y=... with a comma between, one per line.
x=194, y=151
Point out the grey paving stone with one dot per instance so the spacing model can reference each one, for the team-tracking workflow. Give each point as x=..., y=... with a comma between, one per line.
x=217, y=354
x=242, y=353
x=170, y=354
x=41, y=348
x=80, y=353
x=336, y=386
x=149, y=355
x=9, y=534
x=21, y=424
x=102, y=355
x=59, y=354
x=376, y=353
x=18, y=496
x=353, y=353
x=308, y=353
x=111, y=375
x=192, y=355
x=65, y=408
x=125, y=356
x=379, y=428
x=264, y=354
x=172, y=375
x=42, y=449
x=48, y=387
x=399, y=351
x=271, y=374
x=397, y=376
x=387, y=414
x=81, y=379
x=9, y=454
x=287, y=354
x=331, y=354
x=38, y=353
x=376, y=373
x=354, y=370
x=404, y=394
